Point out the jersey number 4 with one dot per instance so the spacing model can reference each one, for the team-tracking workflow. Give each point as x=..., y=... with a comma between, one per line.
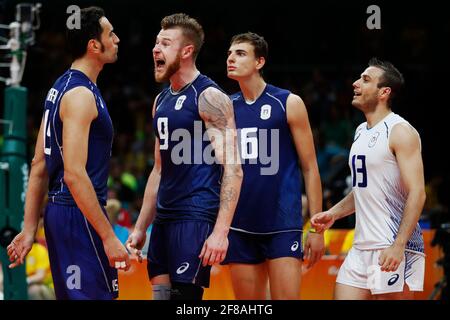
x=359, y=171
x=47, y=148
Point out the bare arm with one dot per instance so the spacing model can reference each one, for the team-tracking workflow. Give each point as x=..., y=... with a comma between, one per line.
x=37, y=277
x=37, y=188
x=216, y=110
x=297, y=117
x=300, y=128
x=405, y=144
x=324, y=220
x=78, y=110
x=344, y=208
x=37, y=185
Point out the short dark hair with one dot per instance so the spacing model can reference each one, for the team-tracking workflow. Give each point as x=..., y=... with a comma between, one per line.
x=192, y=30
x=391, y=77
x=260, y=46
x=90, y=28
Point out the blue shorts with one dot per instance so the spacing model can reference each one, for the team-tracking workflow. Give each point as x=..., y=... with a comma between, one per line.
x=79, y=265
x=251, y=248
x=174, y=249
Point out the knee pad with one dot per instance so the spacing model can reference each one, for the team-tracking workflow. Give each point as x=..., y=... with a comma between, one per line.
x=186, y=291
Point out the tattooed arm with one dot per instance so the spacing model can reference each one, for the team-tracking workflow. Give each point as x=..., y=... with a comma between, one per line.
x=216, y=110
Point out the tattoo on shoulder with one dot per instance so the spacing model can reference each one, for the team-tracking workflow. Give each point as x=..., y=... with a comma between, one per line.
x=216, y=107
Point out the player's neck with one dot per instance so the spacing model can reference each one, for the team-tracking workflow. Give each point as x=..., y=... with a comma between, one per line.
x=183, y=77
x=90, y=68
x=376, y=115
x=252, y=88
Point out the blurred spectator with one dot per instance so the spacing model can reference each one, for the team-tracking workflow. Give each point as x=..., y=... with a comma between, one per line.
x=318, y=96
x=337, y=128
x=125, y=218
x=113, y=207
x=39, y=277
x=122, y=180
x=348, y=242
x=331, y=159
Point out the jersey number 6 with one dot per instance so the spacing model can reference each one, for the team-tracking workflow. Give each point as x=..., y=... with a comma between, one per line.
x=249, y=144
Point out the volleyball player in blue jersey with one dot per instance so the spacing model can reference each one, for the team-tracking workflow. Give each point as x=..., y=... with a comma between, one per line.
x=193, y=189
x=72, y=161
x=275, y=137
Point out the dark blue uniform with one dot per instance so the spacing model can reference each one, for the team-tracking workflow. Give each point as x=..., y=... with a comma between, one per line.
x=79, y=265
x=267, y=223
x=189, y=191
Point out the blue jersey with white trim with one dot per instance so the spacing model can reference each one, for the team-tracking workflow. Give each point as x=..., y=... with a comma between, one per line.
x=99, y=146
x=270, y=199
x=189, y=188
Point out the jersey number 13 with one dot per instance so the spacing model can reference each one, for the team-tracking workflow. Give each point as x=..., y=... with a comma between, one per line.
x=359, y=171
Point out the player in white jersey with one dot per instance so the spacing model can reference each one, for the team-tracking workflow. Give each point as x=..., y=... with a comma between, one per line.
x=388, y=196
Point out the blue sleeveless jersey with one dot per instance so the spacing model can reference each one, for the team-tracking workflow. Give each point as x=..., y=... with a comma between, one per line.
x=100, y=140
x=270, y=199
x=189, y=188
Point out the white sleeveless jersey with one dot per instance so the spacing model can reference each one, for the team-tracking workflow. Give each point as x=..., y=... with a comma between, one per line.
x=378, y=190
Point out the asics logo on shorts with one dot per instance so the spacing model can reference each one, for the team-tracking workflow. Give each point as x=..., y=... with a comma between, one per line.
x=184, y=266
x=295, y=246
x=393, y=279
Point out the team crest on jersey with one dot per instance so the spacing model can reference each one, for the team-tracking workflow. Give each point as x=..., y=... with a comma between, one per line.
x=179, y=103
x=265, y=111
x=374, y=139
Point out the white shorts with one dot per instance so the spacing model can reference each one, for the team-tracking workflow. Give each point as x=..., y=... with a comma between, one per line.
x=361, y=269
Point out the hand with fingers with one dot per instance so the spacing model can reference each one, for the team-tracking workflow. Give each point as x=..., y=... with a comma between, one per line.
x=322, y=221
x=18, y=248
x=214, y=249
x=117, y=254
x=314, y=248
x=390, y=258
x=135, y=243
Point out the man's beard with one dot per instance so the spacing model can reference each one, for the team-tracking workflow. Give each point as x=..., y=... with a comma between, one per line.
x=170, y=71
x=114, y=56
x=369, y=104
